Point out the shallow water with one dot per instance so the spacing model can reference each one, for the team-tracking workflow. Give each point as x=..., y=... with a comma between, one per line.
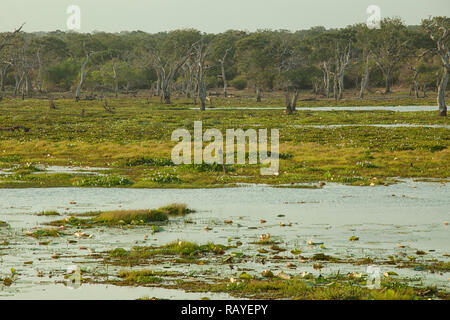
x=410, y=213
x=352, y=108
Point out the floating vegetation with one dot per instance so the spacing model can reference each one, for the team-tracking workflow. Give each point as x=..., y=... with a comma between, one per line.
x=184, y=249
x=136, y=217
x=312, y=288
x=43, y=233
x=103, y=181
x=176, y=209
x=3, y=224
x=126, y=217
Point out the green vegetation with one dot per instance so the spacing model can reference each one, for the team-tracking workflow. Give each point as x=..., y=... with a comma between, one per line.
x=43, y=233
x=307, y=287
x=186, y=251
x=176, y=209
x=126, y=217
x=129, y=141
x=332, y=288
x=131, y=217
x=3, y=224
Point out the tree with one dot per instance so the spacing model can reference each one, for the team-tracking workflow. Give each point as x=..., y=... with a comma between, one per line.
x=389, y=46
x=223, y=48
x=255, y=60
x=363, y=36
x=6, y=40
x=321, y=46
x=168, y=55
x=343, y=51
x=200, y=53
x=437, y=29
x=83, y=48
x=288, y=58
x=49, y=49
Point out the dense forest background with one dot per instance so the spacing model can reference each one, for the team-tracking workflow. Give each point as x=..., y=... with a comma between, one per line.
x=190, y=62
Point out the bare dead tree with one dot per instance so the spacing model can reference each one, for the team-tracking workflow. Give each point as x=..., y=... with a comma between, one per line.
x=325, y=67
x=166, y=69
x=201, y=51
x=83, y=74
x=438, y=31
x=342, y=61
x=223, y=75
x=5, y=41
x=365, y=77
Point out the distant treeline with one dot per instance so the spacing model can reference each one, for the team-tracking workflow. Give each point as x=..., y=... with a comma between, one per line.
x=189, y=61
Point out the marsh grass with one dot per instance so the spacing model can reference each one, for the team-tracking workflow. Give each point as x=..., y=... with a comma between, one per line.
x=103, y=181
x=131, y=217
x=188, y=252
x=320, y=288
x=135, y=143
x=176, y=209
x=43, y=233
x=126, y=217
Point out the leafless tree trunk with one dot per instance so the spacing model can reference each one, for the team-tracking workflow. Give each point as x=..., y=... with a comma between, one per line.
x=82, y=76
x=415, y=81
x=342, y=61
x=166, y=74
x=116, y=80
x=291, y=100
x=189, y=74
x=224, y=77
x=40, y=77
x=258, y=94
x=202, y=52
x=335, y=86
x=441, y=93
x=441, y=42
x=18, y=82
x=365, y=78
x=326, y=78
x=3, y=73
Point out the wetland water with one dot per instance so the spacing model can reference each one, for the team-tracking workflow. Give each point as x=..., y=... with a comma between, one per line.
x=410, y=213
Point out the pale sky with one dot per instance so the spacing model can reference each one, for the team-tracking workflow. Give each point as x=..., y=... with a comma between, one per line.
x=208, y=15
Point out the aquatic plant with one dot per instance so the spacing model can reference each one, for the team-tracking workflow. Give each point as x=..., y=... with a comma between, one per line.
x=104, y=181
